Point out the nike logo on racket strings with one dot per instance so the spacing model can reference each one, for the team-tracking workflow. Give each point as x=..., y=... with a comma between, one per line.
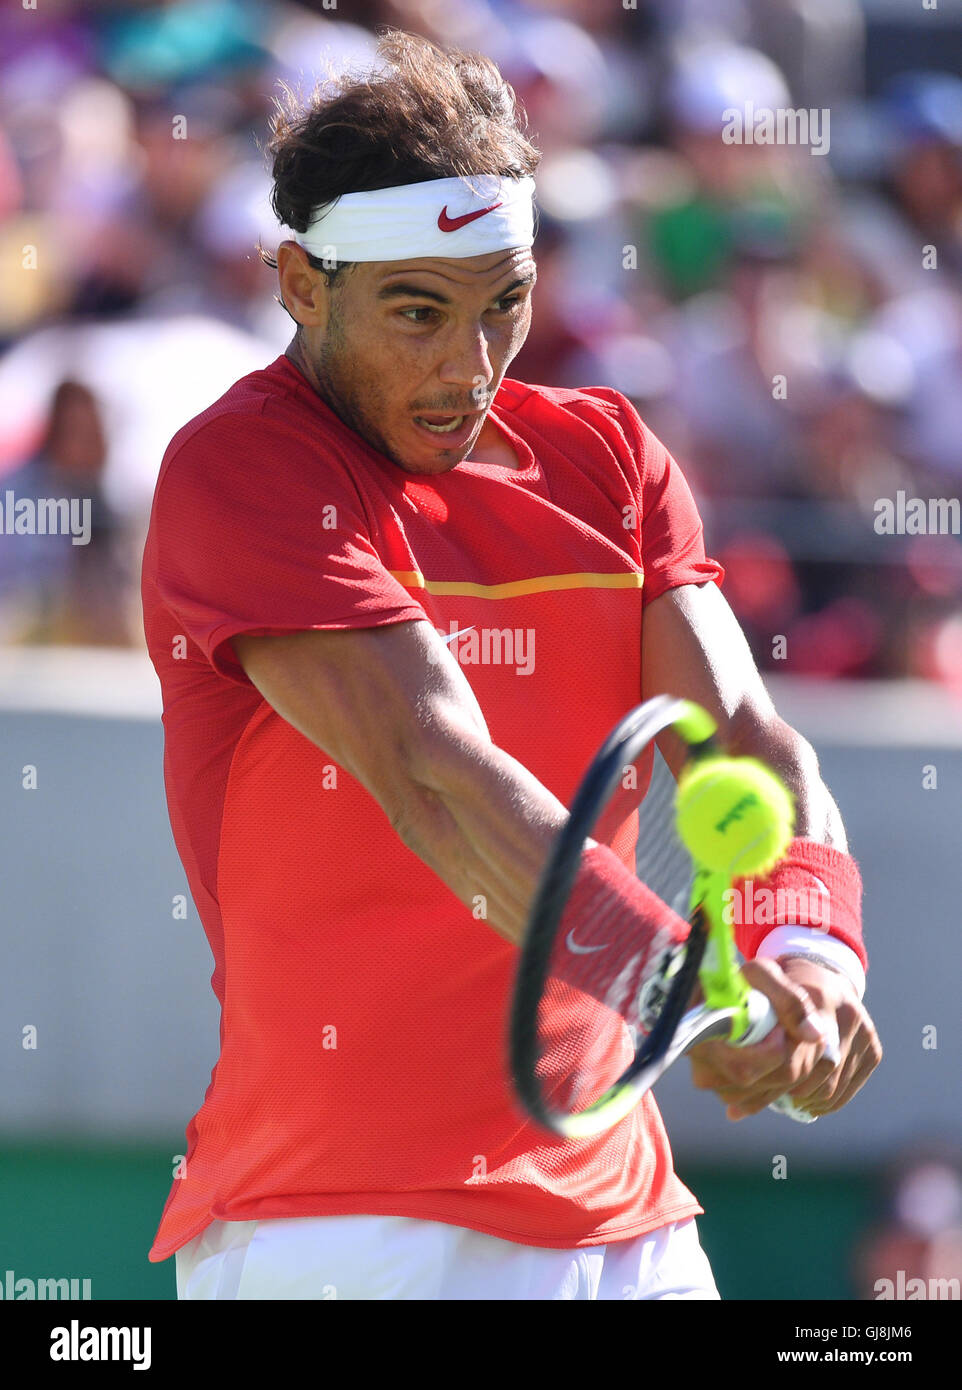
x=451, y=224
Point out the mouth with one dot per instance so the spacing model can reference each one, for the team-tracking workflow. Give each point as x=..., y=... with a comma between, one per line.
x=453, y=429
x=440, y=424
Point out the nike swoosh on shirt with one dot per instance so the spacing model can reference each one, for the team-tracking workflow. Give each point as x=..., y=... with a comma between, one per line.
x=577, y=950
x=451, y=224
x=451, y=636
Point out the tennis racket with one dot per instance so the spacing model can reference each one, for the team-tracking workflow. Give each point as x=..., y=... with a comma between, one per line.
x=598, y=1013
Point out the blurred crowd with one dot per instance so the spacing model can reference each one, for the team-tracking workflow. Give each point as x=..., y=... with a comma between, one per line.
x=913, y=1250
x=788, y=321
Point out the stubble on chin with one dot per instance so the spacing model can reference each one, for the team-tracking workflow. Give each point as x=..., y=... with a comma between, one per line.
x=341, y=389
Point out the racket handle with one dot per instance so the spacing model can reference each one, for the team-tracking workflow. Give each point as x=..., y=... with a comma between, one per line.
x=761, y=1020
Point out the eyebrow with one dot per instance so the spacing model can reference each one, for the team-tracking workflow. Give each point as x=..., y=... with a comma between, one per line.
x=403, y=289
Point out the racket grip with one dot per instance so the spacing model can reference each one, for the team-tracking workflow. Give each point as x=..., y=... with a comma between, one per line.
x=761, y=1020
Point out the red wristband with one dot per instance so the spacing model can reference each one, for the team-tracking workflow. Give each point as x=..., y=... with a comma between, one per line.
x=609, y=905
x=814, y=885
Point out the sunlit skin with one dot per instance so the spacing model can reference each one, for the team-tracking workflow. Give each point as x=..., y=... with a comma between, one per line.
x=394, y=340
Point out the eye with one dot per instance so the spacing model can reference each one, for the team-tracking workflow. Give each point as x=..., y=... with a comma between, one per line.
x=512, y=301
x=418, y=309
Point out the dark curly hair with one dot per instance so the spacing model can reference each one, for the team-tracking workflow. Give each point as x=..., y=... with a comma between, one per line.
x=420, y=112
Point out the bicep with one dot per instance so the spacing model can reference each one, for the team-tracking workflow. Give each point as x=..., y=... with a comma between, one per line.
x=693, y=647
x=380, y=701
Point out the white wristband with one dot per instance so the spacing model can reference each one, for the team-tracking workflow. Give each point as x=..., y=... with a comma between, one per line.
x=808, y=941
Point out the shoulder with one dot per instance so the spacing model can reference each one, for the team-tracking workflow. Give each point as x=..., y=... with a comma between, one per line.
x=590, y=401
x=600, y=410
x=260, y=401
x=266, y=433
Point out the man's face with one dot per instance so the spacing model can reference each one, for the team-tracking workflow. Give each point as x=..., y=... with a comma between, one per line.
x=398, y=346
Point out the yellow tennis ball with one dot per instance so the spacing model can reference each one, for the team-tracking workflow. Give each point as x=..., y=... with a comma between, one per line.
x=734, y=815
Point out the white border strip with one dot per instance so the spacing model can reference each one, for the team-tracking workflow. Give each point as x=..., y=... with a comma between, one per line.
x=874, y=714
x=111, y=683
x=106, y=683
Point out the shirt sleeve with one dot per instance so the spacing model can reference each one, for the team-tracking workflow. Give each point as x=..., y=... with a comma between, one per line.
x=672, y=539
x=258, y=531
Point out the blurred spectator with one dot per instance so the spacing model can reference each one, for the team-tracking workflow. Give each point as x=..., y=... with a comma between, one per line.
x=926, y=175
x=69, y=586
x=915, y=1252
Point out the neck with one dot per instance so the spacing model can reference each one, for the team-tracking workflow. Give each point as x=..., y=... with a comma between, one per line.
x=492, y=447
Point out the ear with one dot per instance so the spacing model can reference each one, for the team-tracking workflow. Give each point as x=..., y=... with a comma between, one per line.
x=303, y=290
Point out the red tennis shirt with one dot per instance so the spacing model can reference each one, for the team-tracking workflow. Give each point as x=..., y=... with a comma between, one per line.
x=362, y=1065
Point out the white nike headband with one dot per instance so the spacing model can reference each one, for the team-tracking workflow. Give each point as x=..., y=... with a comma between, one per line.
x=442, y=217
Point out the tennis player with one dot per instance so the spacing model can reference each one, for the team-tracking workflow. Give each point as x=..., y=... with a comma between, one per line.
x=395, y=600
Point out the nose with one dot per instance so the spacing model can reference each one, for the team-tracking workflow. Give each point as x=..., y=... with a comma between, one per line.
x=467, y=364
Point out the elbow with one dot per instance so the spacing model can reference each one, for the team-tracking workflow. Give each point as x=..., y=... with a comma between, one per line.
x=411, y=812
x=442, y=758
x=417, y=804
x=770, y=739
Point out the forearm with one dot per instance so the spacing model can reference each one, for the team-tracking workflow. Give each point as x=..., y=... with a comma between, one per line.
x=693, y=647
x=484, y=824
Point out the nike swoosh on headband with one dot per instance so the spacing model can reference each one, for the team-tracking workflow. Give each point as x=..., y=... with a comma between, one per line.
x=451, y=224
x=577, y=950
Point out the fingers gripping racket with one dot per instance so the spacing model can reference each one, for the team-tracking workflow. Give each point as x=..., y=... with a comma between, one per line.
x=600, y=1012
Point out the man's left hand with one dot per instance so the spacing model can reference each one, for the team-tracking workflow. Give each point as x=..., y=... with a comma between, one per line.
x=789, y=1061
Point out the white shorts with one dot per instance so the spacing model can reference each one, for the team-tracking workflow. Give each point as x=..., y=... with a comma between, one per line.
x=398, y=1257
